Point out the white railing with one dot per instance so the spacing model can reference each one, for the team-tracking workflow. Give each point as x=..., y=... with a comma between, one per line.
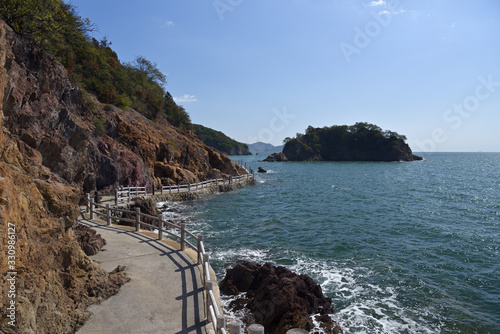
x=126, y=193
x=214, y=313
x=109, y=214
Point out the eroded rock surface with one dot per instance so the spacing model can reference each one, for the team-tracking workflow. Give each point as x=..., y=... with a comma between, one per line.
x=277, y=298
x=51, y=153
x=88, y=239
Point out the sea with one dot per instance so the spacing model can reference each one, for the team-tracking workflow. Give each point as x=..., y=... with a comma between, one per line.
x=400, y=247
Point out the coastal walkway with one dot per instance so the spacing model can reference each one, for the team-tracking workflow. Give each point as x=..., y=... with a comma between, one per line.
x=172, y=287
x=165, y=293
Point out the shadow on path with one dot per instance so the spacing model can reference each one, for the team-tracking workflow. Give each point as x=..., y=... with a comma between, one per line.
x=191, y=312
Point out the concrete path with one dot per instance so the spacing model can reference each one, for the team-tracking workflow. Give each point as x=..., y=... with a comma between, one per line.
x=164, y=295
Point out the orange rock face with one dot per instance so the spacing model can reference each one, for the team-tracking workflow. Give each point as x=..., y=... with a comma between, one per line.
x=56, y=143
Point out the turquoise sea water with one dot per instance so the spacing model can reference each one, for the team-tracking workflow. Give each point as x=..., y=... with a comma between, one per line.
x=400, y=247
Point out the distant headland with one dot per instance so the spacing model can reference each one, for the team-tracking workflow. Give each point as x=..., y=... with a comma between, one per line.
x=358, y=142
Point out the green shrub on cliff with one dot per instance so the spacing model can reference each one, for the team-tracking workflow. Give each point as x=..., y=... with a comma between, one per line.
x=55, y=27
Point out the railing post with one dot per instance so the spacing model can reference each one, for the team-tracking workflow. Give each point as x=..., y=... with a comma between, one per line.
x=136, y=191
x=91, y=208
x=178, y=188
x=108, y=215
x=161, y=189
x=205, y=260
x=189, y=187
x=221, y=321
x=160, y=228
x=200, y=239
x=128, y=194
x=88, y=202
x=235, y=327
x=183, y=236
x=296, y=331
x=116, y=196
x=169, y=189
x=209, y=286
x=255, y=329
x=137, y=219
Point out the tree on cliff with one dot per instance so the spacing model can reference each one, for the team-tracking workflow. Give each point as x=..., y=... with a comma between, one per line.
x=55, y=27
x=46, y=23
x=220, y=141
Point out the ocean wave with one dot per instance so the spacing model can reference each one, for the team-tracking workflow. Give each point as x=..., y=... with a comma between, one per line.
x=231, y=314
x=174, y=211
x=362, y=307
x=244, y=254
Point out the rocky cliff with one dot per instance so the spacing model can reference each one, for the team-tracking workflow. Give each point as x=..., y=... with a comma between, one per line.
x=56, y=143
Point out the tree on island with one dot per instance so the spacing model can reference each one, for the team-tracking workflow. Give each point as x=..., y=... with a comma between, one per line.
x=359, y=142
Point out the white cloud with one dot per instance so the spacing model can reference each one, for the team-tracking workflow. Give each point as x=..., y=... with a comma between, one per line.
x=394, y=12
x=168, y=23
x=185, y=98
x=377, y=3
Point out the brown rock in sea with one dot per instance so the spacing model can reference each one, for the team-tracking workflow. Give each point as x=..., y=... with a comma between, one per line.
x=277, y=298
x=276, y=157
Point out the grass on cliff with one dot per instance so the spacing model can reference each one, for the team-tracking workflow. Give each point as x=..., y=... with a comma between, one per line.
x=55, y=27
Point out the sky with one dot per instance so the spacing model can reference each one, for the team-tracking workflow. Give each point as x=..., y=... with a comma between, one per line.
x=261, y=70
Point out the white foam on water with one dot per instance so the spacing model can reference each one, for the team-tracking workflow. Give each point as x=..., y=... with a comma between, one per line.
x=365, y=307
x=248, y=254
x=174, y=211
x=229, y=312
x=361, y=307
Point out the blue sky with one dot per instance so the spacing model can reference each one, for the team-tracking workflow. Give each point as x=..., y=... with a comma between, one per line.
x=263, y=70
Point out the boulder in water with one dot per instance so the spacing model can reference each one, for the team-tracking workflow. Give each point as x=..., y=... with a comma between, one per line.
x=277, y=298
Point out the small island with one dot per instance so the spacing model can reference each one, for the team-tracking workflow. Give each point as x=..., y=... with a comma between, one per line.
x=359, y=142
